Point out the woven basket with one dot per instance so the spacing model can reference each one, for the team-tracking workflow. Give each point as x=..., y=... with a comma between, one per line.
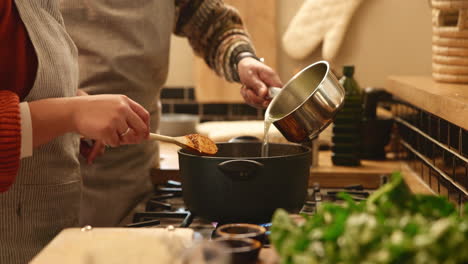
x=450, y=40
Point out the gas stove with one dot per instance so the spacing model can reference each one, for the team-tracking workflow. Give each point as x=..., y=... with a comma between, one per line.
x=166, y=208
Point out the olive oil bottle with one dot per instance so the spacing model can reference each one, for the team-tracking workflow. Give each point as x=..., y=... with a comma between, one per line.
x=347, y=126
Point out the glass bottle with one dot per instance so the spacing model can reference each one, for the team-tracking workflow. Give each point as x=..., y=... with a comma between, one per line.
x=347, y=125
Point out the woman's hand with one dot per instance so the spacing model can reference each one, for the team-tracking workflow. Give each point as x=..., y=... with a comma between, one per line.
x=256, y=78
x=113, y=119
x=90, y=149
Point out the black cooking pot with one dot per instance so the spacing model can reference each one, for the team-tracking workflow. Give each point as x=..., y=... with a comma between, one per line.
x=238, y=185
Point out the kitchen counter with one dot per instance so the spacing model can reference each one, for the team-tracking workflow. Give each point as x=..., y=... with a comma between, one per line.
x=268, y=256
x=368, y=174
x=448, y=101
x=74, y=246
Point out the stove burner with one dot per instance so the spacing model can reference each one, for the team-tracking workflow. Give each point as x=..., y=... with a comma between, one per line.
x=144, y=219
x=169, y=189
x=159, y=207
x=267, y=226
x=145, y=223
x=166, y=207
x=161, y=197
x=154, y=205
x=361, y=193
x=357, y=187
x=318, y=195
x=173, y=183
x=309, y=207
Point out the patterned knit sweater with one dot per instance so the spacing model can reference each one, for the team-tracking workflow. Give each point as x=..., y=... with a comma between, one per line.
x=215, y=32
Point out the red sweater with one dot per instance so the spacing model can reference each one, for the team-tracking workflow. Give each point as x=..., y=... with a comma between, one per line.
x=18, y=66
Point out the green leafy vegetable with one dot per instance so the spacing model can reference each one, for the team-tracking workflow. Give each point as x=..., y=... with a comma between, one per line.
x=392, y=226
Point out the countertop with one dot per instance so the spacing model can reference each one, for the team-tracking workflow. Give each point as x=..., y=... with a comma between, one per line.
x=268, y=256
x=448, y=101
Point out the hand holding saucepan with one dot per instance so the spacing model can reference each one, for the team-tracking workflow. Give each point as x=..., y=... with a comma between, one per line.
x=256, y=78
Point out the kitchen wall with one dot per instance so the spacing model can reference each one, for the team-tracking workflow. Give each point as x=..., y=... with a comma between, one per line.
x=385, y=37
x=180, y=63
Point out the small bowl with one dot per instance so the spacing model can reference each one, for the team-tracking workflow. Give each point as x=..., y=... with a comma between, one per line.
x=242, y=230
x=241, y=250
x=176, y=125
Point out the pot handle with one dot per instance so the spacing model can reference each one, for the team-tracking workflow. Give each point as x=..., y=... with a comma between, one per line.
x=240, y=170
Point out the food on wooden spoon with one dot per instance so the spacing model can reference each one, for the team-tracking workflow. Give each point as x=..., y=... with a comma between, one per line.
x=195, y=142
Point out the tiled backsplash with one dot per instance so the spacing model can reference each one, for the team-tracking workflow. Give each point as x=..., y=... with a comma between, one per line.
x=182, y=101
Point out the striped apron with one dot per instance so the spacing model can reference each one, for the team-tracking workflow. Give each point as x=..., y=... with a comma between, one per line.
x=123, y=49
x=45, y=196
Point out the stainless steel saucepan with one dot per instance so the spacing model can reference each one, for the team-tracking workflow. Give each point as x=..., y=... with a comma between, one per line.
x=307, y=103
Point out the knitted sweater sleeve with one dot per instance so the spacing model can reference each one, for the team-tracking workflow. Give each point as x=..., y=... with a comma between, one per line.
x=10, y=138
x=216, y=33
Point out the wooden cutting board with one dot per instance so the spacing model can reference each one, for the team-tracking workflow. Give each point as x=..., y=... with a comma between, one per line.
x=260, y=20
x=116, y=246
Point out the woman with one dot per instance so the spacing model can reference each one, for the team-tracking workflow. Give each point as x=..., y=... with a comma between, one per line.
x=40, y=194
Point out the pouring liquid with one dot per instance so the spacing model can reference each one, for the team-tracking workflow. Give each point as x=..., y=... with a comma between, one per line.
x=269, y=119
x=267, y=124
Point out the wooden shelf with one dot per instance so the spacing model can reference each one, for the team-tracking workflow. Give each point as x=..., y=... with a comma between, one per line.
x=368, y=174
x=447, y=101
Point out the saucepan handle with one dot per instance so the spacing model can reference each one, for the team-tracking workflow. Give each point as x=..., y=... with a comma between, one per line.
x=273, y=91
x=240, y=170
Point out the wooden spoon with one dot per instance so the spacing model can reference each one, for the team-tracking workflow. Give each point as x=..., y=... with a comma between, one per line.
x=195, y=142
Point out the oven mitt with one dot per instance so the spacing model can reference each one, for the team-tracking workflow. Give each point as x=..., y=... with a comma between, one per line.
x=315, y=21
